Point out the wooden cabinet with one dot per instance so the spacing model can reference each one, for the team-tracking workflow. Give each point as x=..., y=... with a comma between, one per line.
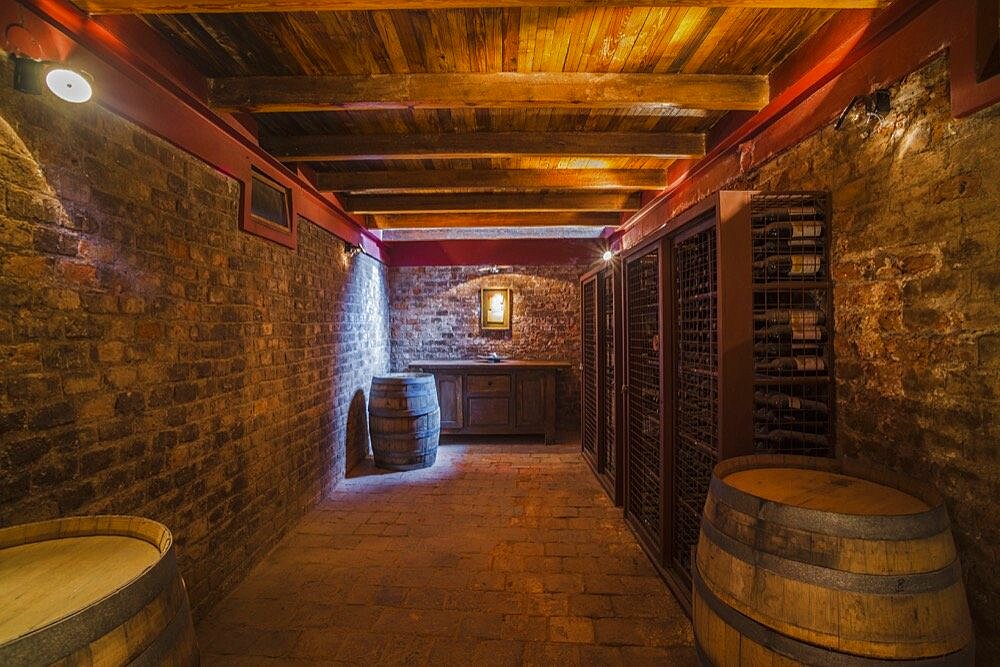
x=506, y=398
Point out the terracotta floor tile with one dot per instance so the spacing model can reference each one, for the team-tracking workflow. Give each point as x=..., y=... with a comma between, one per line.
x=498, y=555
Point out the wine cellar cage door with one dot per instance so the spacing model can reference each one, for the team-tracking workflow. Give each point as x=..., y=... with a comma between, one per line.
x=696, y=421
x=607, y=314
x=793, y=324
x=589, y=408
x=643, y=484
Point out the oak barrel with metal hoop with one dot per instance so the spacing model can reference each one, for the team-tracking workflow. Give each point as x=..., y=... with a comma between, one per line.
x=818, y=561
x=93, y=590
x=404, y=420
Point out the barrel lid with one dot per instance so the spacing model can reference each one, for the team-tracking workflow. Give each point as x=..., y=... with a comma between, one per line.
x=403, y=376
x=825, y=490
x=52, y=570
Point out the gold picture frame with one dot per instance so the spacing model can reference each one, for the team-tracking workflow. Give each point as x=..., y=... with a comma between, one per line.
x=494, y=308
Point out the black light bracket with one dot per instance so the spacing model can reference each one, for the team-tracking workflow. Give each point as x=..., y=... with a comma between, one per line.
x=29, y=75
x=877, y=105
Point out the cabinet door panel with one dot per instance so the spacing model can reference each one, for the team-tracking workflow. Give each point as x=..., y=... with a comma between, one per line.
x=531, y=400
x=489, y=412
x=449, y=388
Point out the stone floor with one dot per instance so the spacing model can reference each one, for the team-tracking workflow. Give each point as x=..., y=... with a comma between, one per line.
x=498, y=555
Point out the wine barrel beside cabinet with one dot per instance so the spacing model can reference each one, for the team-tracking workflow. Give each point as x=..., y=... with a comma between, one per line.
x=404, y=420
x=96, y=590
x=815, y=561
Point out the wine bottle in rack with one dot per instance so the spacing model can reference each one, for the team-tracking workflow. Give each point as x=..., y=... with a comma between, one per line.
x=788, y=437
x=788, y=213
x=793, y=316
x=785, y=349
x=792, y=247
x=780, y=401
x=795, y=419
x=793, y=333
x=793, y=266
x=793, y=229
x=796, y=364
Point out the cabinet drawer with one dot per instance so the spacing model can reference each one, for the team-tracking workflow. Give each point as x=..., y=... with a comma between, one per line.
x=488, y=384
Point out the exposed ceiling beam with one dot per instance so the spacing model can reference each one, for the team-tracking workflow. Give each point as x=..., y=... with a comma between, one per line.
x=481, y=180
x=722, y=92
x=238, y=6
x=476, y=233
x=530, y=202
x=332, y=148
x=509, y=219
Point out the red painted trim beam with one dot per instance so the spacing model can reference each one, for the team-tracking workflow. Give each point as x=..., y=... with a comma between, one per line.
x=127, y=84
x=496, y=251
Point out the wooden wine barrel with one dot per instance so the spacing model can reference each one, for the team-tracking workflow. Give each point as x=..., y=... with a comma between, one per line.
x=93, y=590
x=819, y=561
x=404, y=420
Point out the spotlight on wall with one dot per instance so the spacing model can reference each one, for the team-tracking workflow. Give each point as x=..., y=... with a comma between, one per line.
x=608, y=255
x=69, y=85
x=33, y=76
x=351, y=249
x=491, y=270
x=877, y=106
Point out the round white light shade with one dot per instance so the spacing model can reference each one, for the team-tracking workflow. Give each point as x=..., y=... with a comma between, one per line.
x=68, y=85
x=608, y=256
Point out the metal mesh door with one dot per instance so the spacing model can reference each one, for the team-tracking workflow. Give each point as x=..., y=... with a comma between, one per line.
x=589, y=433
x=696, y=441
x=644, y=484
x=607, y=310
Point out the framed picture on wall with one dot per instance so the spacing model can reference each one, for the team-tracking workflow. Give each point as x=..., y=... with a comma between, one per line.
x=494, y=308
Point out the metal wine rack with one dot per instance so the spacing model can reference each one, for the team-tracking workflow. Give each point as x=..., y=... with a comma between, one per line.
x=609, y=389
x=589, y=418
x=793, y=324
x=644, y=484
x=696, y=441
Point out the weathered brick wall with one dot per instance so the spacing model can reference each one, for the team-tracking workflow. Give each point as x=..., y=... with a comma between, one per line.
x=435, y=315
x=158, y=361
x=916, y=260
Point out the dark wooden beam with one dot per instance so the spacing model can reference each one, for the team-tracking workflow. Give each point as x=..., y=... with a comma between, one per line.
x=532, y=202
x=333, y=148
x=508, y=219
x=578, y=90
x=244, y=6
x=484, y=180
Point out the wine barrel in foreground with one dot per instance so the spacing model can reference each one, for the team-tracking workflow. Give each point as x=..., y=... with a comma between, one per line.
x=826, y=562
x=404, y=420
x=94, y=590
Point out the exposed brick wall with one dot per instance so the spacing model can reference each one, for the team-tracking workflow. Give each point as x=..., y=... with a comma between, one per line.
x=916, y=260
x=435, y=315
x=158, y=361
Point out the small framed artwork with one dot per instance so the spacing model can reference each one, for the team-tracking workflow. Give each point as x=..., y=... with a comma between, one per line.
x=494, y=308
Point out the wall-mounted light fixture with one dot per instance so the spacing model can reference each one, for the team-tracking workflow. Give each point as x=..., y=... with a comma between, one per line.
x=877, y=106
x=608, y=255
x=492, y=270
x=34, y=76
x=351, y=249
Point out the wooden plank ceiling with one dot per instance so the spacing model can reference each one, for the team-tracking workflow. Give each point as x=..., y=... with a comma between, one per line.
x=444, y=113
